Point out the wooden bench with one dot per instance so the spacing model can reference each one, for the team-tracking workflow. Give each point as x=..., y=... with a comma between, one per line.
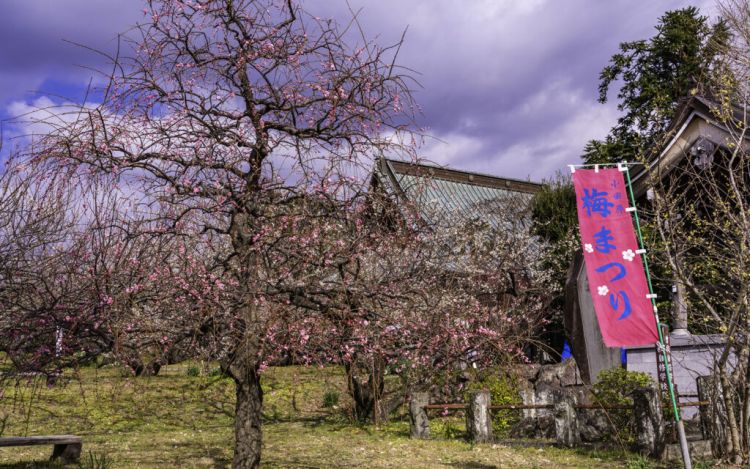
x=67, y=447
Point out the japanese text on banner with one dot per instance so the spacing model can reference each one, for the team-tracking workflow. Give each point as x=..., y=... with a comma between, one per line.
x=617, y=281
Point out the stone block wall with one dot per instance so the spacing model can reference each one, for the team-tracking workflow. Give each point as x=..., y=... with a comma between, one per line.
x=692, y=356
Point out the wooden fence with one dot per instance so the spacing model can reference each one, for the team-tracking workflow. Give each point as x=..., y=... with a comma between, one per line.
x=646, y=408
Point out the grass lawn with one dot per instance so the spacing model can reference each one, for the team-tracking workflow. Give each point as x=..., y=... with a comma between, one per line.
x=175, y=420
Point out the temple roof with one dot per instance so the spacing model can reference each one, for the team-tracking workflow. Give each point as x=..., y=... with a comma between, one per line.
x=444, y=194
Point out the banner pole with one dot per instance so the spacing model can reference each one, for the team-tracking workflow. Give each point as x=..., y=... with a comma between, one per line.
x=662, y=347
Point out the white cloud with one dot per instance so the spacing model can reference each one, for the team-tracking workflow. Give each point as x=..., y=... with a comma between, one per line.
x=452, y=149
x=39, y=117
x=546, y=150
x=559, y=146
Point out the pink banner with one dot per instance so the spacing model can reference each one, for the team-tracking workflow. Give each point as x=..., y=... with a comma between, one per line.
x=616, y=277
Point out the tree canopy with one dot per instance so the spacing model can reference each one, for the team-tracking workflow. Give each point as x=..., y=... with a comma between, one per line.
x=655, y=74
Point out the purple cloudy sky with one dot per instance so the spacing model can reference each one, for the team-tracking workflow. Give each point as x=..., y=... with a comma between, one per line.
x=510, y=86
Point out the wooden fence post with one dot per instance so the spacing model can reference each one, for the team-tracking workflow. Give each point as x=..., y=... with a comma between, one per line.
x=478, y=420
x=649, y=421
x=566, y=420
x=420, y=424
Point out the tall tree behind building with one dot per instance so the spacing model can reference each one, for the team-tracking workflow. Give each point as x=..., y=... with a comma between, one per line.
x=655, y=74
x=701, y=215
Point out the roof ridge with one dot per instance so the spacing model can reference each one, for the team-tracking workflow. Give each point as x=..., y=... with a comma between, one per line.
x=460, y=176
x=434, y=165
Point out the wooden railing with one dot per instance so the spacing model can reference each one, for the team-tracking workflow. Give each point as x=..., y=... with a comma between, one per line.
x=479, y=424
x=551, y=406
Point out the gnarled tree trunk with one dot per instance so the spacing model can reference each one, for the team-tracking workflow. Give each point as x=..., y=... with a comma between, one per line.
x=247, y=421
x=367, y=393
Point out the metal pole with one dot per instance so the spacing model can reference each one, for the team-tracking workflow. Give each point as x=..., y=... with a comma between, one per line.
x=675, y=410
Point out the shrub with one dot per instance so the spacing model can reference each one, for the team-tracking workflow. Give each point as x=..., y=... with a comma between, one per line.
x=193, y=371
x=504, y=389
x=330, y=399
x=449, y=428
x=615, y=388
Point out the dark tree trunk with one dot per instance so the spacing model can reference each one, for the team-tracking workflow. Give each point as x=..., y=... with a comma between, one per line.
x=243, y=364
x=148, y=369
x=247, y=421
x=152, y=369
x=367, y=394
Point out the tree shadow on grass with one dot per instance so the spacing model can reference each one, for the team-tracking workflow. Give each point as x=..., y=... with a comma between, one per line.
x=36, y=465
x=392, y=428
x=312, y=420
x=473, y=465
x=198, y=451
x=296, y=463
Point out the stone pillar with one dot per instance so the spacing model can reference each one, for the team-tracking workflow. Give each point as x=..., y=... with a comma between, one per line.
x=420, y=425
x=679, y=310
x=566, y=420
x=649, y=421
x=478, y=420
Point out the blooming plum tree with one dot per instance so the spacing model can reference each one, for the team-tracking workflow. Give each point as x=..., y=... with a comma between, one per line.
x=221, y=121
x=238, y=133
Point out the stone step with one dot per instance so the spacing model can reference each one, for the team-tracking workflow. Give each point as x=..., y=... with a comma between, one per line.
x=699, y=449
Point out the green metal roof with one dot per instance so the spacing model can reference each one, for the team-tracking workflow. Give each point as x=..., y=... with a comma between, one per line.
x=443, y=194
